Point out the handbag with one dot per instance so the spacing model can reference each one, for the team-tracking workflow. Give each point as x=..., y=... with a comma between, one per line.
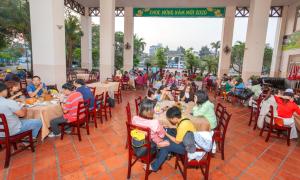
x=111, y=102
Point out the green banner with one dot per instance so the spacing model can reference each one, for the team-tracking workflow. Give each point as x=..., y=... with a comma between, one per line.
x=179, y=12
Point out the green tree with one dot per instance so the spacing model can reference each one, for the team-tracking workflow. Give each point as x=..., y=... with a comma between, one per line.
x=160, y=58
x=73, y=34
x=77, y=55
x=95, y=45
x=204, y=51
x=119, y=48
x=237, y=55
x=267, y=59
x=211, y=63
x=138, y=49
x=191, y=61
x=216, y=46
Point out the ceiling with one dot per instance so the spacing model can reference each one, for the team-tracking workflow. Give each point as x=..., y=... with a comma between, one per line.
x=181, y=3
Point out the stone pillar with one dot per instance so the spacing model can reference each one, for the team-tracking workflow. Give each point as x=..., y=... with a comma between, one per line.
x=256, y=38
x=128, y=38
x=226, y=41
x=48, y=40
x=107, y=38
x=277, y=52
x=86, y=41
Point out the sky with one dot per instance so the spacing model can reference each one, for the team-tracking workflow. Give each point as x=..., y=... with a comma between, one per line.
x=187, y=32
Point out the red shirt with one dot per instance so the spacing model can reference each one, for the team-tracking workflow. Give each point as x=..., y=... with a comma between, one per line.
x=71, y=105
x=286, y=110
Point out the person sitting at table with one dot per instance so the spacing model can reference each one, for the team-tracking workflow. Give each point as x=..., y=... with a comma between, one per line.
x=10, y=76
x=69, y=106
x=164, y=94
x=85, y=91
x=146, y=119
x=205, y=109
x=13, y=112
x=286, y=108
x=118, y=75
x=176, y=140
x=238, y=87
x=139, y=80
x=36, y=87
x=151, y=95
x=14, y=92
x=187, y=94
x=125, y=77
x=21, y=73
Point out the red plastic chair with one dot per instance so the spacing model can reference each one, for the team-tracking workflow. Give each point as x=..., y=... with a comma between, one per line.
x=203, y=164
x=273, y=128
x=93, y=89
x=118, y=94
x=220, y=131
x=132, y=158
x=255, y=110
x=138, y=101
x=9, y=140
x=82, y=119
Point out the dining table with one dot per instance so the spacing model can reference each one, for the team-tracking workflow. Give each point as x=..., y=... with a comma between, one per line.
x=186, y=110
x=109, y=87
x=45, y=111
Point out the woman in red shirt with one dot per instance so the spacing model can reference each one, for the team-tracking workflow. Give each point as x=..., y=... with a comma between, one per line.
x=286, y=109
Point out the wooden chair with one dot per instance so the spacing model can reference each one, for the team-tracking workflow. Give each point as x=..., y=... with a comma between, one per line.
x=138, y=101
x=132, y=157
x=203, y=164
x=220, y=131
x=118, y=93
x=128, y=113
x=125, y=85
x=255, y=110
x=98, y=105
x=106, y=106
x=9, y=140
x=271, y=127
x=93, y=113
x=93, y=90
x=82, y=119
x=220, y=109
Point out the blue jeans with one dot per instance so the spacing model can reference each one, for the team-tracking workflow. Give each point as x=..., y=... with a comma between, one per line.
x=163, y=153
x=31, y=124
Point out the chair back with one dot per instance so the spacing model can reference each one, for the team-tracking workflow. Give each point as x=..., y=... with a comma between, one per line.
x=93, y=89
x=128, y=112
x=98, y=101
x=83, y=111
x=147, y=144
x=4, y=127
x=106, y=99
x=23, y=83
x=223, y=123
x=138, y=101
x=270, y=116
x=219, y=111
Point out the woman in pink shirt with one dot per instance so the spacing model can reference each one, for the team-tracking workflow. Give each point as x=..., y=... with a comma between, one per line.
x=145, y=119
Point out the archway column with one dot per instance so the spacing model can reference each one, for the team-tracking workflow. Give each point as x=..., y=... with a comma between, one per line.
x=107, y=38
x=128, y=38
x=86, y=40
x=48, y=40
x=256, y=38
x=226, y=41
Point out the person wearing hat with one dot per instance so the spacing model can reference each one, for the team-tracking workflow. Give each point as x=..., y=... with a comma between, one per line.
x=21, y=73
x=9, y=75
x=286, y=109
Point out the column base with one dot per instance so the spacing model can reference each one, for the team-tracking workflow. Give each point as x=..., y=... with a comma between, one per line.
x=105, y=72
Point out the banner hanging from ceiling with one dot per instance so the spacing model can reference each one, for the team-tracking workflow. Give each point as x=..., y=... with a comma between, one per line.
x=179, y=12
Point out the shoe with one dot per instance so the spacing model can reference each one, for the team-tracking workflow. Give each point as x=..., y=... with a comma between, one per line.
x=51, y=135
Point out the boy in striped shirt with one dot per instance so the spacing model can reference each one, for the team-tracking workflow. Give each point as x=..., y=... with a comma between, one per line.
x=69, y=106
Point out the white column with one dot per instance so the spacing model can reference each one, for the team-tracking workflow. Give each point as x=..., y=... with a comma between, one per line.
x=107, y=38
x=277, y=52
x=226, y=40
x=256, y=38
x=128, y=38
x=86, y=41
x=48, y=40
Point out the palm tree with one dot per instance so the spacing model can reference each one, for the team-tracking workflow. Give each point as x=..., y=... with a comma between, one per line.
x=160, y=59
x=73, y=33
x=216, y=46
x=237, y=55
x=191, y=61
x=138, y=49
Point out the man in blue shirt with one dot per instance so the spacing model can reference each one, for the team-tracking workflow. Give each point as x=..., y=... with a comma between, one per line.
x=36, y=88
x=85, y=91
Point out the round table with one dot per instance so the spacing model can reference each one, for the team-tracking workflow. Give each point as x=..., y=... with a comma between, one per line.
x=186, y=113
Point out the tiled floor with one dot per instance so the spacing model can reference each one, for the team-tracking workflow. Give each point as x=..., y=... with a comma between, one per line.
x=102, y=155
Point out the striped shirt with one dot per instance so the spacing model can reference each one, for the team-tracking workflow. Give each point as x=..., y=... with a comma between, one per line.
x=71, y=106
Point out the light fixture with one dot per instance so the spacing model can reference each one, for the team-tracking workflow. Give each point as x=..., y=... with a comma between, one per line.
x=127, y=46
x=59, y=26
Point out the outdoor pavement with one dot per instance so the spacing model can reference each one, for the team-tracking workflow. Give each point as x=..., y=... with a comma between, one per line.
x=102, y=154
